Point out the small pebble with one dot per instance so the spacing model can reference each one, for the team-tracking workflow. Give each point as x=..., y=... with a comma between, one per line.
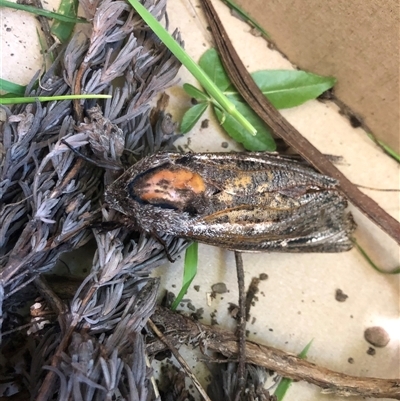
x=204, y=123
x=340, y=296
x=377, y=336
x=219, y=288
x=350, y=360
x=371, y=351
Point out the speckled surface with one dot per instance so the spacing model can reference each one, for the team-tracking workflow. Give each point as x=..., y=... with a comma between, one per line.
x=297, y=302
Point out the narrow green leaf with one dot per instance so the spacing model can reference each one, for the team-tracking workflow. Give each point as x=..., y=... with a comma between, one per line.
x=305, y=350
x=9, y=96
x=246, y=17
x=39, y=11
x=11, y=87
x=391, y=152
x=372, y=264
x=192, y=91
x=193, y=115
x=212, y=66
x=290, y=88
x=189, y=63
x=189, y=273
x=282, y=388
x=21, y=100
x=43, y=46
x=63, y=30
x=285, y=383
x=262, y=141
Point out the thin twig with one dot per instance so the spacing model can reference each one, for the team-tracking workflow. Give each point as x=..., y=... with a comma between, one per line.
x=178, y=357
x=51, y=297
x=241, y=327
x=77, y=90
x=247, y=88
x=181, y=328
x=153, y=380
x=49, y=381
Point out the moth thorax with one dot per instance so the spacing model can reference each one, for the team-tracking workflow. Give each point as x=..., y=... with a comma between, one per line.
x=170, y=187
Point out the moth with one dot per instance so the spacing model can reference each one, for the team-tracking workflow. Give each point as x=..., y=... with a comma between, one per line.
x=247, y=202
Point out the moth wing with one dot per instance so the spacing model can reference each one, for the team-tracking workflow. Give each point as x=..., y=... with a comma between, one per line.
x=319, y=226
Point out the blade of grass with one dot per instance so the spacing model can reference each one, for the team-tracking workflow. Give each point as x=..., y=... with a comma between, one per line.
x=246, y=17
x=386, y=148
x=285, y=383
x=63, y=30
x=11, y=87
x=20, y=100
x=190, y=64
x=371, y=263
x=189, y=273
x=44, y=49
x=38, y=11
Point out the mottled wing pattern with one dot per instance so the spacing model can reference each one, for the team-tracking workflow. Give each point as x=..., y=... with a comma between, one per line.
x=242, y=201
x=321, y=225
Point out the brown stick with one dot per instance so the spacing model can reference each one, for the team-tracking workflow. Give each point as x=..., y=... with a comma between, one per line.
x=266, y=111
x=48, y=383
x=241, y=327
x=181, y=361
x=179, y=329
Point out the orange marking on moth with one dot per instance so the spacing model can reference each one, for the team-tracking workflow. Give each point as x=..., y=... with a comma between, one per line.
x=165, y=184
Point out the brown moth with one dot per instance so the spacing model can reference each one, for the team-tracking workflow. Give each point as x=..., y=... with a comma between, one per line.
x=240, y=201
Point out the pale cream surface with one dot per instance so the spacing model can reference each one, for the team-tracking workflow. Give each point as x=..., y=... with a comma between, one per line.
x=297, y=302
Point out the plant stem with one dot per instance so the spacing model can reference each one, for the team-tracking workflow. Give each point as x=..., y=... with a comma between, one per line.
x=191, y=65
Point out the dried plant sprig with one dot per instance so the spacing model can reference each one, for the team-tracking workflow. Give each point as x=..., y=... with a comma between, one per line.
x=223, y=342
x=50, y=197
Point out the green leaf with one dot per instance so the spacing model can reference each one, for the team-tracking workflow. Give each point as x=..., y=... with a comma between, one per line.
x=282, y=388
x=262, y=141
x=290, y=88
x=193, y=115
x=197, y=94
x=63, y=30
x=391, y=152
x=212, y=66
x=39, y=11
x=175, y=48
x=246, y=17
x=21, y=100
x=11, y=87
x=285, y=383
x=189, y=273
x=305, y=350
x=43, y=46
x=371, y=262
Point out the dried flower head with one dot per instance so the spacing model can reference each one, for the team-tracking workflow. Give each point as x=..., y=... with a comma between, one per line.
x=50, y=200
